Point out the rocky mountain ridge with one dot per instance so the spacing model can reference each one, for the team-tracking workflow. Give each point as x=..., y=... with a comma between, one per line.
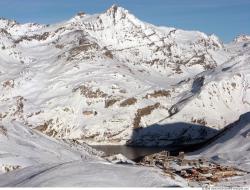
x=110, y=78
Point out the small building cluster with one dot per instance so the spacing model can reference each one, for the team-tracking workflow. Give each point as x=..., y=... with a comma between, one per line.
x=194, y=170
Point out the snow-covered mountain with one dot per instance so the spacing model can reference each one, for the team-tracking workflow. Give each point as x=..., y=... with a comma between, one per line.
x=110, y=78
x=231, y=148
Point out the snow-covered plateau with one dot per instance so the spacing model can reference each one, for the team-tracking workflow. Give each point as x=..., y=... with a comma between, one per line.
x=111, y=79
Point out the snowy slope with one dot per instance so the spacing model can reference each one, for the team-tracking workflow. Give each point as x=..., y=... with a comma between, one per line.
x=29, y=158
x=233, y=147
x=110, y=78
x=21, y=147
x=87, y=174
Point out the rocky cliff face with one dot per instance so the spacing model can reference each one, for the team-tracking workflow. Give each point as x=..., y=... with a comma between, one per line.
x=110, y=78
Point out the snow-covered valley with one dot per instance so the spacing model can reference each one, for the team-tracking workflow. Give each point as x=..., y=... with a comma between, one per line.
x=111, y=79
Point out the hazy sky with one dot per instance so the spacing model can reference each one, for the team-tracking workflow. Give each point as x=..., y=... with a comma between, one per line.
x=225, y=18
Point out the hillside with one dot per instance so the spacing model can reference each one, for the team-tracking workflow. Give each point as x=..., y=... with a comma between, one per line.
x=112, y=79
x=102, y=78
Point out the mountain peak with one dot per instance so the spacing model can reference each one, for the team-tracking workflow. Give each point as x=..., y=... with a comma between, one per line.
x=242, y=38
x=117, y=12
x=113, y=7
x=8, y=21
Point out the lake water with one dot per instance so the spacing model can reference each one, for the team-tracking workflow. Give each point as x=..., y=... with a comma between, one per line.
x=136, y=152
x=132, y=153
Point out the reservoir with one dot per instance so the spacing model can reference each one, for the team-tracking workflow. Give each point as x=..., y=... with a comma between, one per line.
x=137, y=152
x=132, y=152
